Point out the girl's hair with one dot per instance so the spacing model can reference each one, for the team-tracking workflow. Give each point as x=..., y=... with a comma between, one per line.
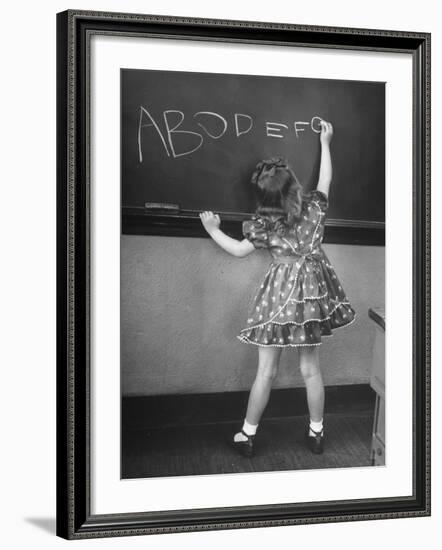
x=278, y=192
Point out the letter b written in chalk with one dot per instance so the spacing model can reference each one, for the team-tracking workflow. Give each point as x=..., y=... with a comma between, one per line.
x=174, y=130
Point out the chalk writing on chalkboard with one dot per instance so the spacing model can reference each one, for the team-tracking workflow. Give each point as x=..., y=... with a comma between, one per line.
x=194, y=139
x=176, y=122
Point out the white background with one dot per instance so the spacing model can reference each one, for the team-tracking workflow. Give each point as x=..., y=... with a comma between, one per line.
x=28, y=272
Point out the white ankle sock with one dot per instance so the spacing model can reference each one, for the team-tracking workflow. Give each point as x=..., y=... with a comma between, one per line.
x=250, y=429
x=316, y=426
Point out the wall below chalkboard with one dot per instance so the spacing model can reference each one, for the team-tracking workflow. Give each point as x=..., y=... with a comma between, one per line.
x=183, y=301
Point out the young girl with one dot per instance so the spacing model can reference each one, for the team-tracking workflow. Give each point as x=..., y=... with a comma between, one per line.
x=300, y=298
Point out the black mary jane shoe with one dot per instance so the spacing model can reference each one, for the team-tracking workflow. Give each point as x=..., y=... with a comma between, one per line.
x=245, y=447
x=315, y=442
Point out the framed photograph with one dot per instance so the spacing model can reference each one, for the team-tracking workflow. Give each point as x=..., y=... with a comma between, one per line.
x=230, y=194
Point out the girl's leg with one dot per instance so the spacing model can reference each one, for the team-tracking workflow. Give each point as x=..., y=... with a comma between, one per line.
x=309, y=364
x=268, y=364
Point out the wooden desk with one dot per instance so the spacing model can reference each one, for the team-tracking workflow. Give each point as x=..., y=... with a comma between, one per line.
x=377, y=382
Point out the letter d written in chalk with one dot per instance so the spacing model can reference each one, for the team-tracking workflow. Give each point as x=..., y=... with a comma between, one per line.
x=243, y=124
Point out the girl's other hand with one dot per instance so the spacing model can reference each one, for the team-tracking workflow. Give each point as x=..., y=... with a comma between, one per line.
x=210, y=221
x=326, y=132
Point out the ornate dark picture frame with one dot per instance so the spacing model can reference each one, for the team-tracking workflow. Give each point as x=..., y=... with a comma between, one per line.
x=74, y=517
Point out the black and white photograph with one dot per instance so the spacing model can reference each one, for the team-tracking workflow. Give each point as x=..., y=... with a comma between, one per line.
x=211, y=213
x=252, y=297
x=242, y=208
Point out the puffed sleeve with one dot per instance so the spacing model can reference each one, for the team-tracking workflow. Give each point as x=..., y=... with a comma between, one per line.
x=255, y=231
x=319, y=198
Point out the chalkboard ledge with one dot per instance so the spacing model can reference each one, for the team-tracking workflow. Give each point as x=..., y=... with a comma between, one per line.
x=186, y=223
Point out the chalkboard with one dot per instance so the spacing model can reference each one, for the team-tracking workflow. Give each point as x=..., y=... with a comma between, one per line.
x=194, y=139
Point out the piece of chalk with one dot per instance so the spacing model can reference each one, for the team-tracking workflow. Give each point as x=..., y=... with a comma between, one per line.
x=161, y=206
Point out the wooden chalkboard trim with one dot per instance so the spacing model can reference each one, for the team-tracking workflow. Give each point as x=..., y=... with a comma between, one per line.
x=186, y=223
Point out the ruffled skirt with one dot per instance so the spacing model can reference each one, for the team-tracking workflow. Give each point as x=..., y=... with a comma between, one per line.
x=298, y=303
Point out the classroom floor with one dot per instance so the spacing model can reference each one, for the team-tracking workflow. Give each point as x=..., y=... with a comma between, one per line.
x=204, y=448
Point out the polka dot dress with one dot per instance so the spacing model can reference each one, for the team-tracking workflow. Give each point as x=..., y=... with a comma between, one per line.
x=300, y=299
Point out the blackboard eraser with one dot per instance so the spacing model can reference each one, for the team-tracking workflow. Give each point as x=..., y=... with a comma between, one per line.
x=162, y=206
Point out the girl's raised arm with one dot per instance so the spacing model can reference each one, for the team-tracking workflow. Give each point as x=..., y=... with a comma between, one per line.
x=211, y=224
x=325, y=170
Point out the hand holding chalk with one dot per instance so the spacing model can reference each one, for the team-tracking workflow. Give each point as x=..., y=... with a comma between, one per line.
x=210, y=221
x=326, y=132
